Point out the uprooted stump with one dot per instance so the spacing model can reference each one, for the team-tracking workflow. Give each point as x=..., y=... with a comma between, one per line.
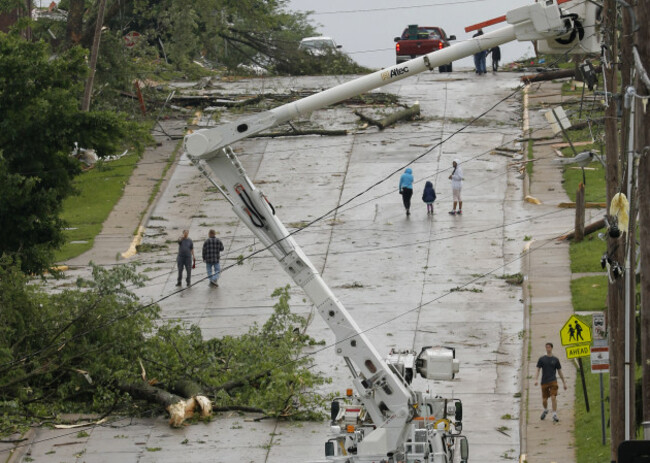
x=179, y=409
x=405, y=114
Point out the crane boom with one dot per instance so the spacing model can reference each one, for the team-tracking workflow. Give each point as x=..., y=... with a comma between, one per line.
x=382, y=385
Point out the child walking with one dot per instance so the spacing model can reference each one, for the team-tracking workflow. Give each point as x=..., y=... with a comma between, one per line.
x=429, y=196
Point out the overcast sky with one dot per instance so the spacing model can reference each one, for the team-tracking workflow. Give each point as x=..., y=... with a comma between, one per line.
x=366, y=28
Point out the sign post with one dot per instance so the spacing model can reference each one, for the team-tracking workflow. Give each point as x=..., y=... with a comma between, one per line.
x=576, y=337
x=600, y=362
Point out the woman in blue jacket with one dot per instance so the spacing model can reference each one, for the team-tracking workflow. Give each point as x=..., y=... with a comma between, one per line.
x=406, y=189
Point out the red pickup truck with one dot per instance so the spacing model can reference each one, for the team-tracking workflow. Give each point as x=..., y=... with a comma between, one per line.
x=419, y=40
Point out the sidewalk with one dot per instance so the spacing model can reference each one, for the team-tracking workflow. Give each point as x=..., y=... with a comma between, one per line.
x=132, y=210
x=548, y=294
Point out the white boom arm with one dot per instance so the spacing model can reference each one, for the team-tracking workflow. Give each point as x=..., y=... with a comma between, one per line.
x=388, y=399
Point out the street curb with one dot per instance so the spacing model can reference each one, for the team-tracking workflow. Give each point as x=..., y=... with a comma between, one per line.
x=132, y=250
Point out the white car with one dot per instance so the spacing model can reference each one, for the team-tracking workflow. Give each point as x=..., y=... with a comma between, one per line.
x=318, y=46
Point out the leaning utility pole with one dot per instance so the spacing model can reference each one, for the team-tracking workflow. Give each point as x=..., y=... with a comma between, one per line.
x=615, y=246
x=88, y=90
x=642, y=84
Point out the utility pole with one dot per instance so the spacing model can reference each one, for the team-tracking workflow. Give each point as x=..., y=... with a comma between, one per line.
x=615, y=246
x=642, y=41
x=85, y=103
x=627, y=136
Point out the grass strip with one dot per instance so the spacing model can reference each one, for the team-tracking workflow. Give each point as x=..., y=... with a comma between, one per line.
x=585, y=255
x=98, y=189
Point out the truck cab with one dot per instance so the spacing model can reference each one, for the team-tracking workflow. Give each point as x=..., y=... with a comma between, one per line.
x=420, y=40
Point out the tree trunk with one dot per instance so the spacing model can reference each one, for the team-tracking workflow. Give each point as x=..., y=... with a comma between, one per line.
x=580, y=214
x=552, y=75
x=178, y=408
x=74, y=25
x=145, y=391
x=592, y=227
x=405, y=114
x=615, y=247
x=642, y=41
x=85, y=103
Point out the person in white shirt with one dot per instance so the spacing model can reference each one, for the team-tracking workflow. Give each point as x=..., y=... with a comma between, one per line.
x=456, y=178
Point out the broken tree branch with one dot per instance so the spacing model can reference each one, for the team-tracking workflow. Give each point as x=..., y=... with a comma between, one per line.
x=406, y=114
x=588, y=230
x=297, y=132
x=551, y=75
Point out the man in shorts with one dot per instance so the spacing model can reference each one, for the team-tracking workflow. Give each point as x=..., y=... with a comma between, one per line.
x=549, y=364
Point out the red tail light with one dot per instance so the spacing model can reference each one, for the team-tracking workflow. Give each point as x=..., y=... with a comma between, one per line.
x=441, y=45
x=397, y=48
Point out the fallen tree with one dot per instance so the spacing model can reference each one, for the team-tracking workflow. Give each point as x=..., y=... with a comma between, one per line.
x=96, y=349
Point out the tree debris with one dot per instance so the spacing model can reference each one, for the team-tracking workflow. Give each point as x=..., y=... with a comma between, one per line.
x=406, y=114
x=592, y=227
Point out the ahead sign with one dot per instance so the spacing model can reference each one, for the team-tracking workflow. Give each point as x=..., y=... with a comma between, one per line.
x=575, y=332
x=578, y=351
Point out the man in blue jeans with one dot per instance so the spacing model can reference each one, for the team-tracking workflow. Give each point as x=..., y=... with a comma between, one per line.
x=480, y=57
x=212, y=248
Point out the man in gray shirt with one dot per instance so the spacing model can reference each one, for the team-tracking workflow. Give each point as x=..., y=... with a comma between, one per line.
x=549, y=364
x=185, y=257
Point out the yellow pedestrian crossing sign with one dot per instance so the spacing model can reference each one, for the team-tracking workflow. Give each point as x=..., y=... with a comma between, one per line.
x=575, y=332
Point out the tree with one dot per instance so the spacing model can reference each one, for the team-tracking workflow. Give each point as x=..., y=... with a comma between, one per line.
x=39, y=123
x=229, y=32
x=86, y=350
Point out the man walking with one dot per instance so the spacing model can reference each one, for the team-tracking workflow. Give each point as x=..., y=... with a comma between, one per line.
x=185, y=258
x=212, y=248
x=479, y=58
x=549, y=365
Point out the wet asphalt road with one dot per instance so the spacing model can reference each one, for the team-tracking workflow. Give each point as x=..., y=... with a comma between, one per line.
x=407, y=281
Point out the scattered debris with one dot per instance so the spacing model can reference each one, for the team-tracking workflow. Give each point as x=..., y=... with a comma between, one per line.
x=595, y=226
x=406, y=114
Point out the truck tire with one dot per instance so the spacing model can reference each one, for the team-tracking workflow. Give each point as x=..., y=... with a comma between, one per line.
x=446, y=68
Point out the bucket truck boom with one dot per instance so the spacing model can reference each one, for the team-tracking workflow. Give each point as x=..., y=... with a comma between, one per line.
x=391, y=421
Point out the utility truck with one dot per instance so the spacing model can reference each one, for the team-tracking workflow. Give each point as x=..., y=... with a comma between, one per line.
x=383, y=419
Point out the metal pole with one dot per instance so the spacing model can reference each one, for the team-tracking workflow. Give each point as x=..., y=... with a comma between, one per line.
x=584, y=384
x=602, y=409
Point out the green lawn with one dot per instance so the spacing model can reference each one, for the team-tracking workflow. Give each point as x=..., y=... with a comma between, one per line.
x=585, y=256
x=589, y=294
x=98, y=191
x=595, y=188
x=589, y=443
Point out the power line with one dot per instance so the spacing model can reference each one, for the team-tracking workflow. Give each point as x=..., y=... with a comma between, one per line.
x=405, y=7
x=322, y=217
